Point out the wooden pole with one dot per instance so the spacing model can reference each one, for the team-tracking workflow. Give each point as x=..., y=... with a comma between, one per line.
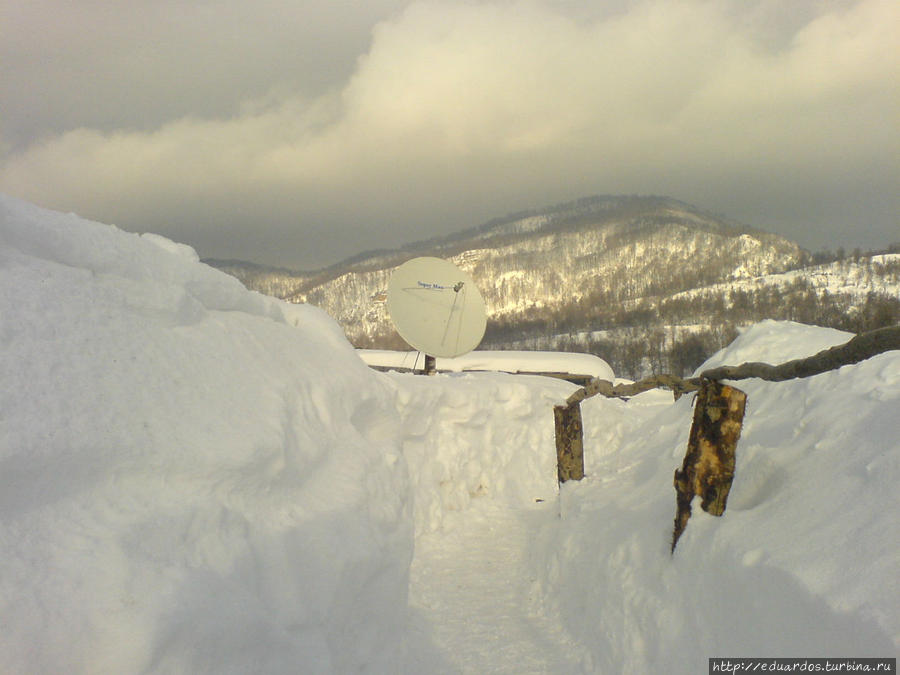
x=708, y=467
x=859, y=348
x=569, y=442
x=430, y=365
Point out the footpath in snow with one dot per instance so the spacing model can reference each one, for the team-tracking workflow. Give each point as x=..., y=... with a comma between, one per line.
x=471, y=604
x=804, y=561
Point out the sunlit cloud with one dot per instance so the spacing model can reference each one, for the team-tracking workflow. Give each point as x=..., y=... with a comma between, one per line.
x=458, y=112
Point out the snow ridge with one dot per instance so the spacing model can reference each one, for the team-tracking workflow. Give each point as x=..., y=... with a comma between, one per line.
x=193, y=477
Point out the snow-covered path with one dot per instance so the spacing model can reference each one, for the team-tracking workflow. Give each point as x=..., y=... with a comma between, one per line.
x=469, y=598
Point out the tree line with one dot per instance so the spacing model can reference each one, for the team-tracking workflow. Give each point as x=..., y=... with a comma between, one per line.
x=679, y=333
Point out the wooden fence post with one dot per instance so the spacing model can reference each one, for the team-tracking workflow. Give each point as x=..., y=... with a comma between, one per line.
x=708, y=467
x=430, y=365
x=569, y=442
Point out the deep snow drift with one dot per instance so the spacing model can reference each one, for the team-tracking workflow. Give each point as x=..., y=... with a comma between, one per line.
x=193, y=477
x=196, y=478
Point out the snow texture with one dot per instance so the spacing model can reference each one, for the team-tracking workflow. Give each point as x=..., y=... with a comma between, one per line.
x=195, y=478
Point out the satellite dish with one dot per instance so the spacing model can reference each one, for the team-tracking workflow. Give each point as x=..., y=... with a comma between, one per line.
x=436, y=307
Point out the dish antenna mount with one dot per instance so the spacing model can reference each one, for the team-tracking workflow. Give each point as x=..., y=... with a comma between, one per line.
x=436, y=308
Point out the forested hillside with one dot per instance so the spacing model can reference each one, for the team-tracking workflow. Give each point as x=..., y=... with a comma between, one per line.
x=647, y=283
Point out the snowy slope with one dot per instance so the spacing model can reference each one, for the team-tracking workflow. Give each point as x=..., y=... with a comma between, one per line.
x=193, y=477
x=197, y=478
x=805, y=559
x=854, y=279
x=616, y=261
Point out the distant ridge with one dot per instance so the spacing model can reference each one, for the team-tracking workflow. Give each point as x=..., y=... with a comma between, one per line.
x=579, y=212
x=607, y=273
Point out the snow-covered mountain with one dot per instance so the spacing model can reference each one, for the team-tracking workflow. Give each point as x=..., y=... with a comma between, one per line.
x=620, y=268
x=596, y=250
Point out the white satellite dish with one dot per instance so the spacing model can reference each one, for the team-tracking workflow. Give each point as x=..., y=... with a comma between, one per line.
x=436, y=307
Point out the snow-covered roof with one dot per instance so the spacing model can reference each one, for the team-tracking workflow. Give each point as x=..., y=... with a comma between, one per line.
x=567, y=363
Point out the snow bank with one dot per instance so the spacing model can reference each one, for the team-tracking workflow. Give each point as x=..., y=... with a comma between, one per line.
x=474, y=436
x=805, y=559
x=193, y=477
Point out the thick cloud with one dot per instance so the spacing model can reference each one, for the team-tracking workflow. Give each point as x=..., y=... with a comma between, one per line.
x=458, y=112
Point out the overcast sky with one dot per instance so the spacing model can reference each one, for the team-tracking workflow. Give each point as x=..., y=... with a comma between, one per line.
x=300, y=132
